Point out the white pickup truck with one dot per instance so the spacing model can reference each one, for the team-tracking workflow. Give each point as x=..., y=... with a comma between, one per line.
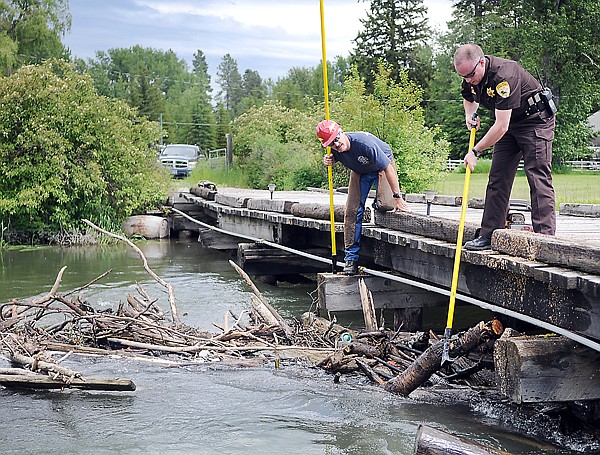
x=180, y=159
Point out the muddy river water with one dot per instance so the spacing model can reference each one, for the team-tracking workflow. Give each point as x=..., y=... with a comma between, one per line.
x=210, y=408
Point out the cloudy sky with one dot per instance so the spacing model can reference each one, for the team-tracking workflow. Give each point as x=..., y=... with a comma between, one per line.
x=269, y=36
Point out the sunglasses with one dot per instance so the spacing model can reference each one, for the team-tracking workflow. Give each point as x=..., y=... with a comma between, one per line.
x=472, y=73
x=337, y=140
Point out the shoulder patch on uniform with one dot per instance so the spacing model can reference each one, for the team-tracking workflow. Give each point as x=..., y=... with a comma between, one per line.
x=503, y=89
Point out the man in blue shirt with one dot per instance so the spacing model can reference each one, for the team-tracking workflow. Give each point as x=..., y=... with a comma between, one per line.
x=368, y=157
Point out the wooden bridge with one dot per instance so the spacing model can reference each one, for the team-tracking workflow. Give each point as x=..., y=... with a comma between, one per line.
x=553, y=280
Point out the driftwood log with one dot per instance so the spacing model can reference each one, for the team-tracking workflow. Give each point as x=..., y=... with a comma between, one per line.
x=262, y=306
x=431, y=360
x=40, y=371
x=39, y=381
x=430, y=441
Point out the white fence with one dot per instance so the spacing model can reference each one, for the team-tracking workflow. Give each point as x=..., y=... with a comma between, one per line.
x=217, y=158
x=579, y=165
x=584, y=165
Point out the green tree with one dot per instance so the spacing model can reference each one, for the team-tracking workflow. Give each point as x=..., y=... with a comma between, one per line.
x=302, y=88
x=223, y=120
x=118, y=73
x=145, y=94
x=560, y=39
x=392, y=32
x=203, y=130
x=294, y=90
x=200, y=70
x=230, y=80
x=393, y=112
x=67, y=153
x=254, y=91
x=31, y=31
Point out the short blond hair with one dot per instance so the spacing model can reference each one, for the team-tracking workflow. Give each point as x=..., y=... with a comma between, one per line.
x=468, y=53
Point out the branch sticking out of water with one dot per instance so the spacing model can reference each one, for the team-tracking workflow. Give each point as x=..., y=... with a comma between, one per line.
x=158, y=279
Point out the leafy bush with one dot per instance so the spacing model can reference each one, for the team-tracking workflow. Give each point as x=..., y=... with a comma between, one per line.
x=394, y=114
x=67, y=153
x=274, y=144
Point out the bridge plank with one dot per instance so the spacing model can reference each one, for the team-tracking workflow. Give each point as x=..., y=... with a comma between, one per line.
x=271, y=205
x=548, y=249
x=432, y=226
x=318, y=210
x=339, y=292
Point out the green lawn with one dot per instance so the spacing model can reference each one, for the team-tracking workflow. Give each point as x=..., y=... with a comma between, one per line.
x=583, y=188
x=575, y=187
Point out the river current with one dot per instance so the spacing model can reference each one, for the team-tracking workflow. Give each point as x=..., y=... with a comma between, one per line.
x=213, y=408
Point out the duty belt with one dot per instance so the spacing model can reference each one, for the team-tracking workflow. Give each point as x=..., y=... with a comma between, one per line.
x=535, y=104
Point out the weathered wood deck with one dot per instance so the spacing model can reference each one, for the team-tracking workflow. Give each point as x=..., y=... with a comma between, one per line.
x=556, y=279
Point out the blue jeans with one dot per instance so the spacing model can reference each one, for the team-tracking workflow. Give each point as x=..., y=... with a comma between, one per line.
x=366, y=183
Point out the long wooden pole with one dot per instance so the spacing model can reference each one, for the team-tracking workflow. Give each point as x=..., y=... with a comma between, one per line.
x=329, y=168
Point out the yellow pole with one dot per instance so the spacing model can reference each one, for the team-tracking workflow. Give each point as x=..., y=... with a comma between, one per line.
x=329, y=168
x=459, y=240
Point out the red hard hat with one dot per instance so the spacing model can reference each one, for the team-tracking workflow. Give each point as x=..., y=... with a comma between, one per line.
x=327, y=130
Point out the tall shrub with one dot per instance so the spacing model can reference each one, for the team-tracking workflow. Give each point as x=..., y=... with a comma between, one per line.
x=274, y=144
x=393, y=113
x=67, y=153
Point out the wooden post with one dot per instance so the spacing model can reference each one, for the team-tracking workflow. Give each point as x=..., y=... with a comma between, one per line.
x=368, y=308
x=229, y=151
x=540, y=369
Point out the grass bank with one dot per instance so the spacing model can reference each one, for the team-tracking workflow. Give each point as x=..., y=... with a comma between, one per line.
x=582, y=188
x=574, y=187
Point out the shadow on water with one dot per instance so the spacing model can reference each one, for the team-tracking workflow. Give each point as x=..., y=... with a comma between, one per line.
x=213, y=409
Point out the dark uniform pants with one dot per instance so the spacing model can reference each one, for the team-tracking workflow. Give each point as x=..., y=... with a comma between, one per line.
x=531, y=140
